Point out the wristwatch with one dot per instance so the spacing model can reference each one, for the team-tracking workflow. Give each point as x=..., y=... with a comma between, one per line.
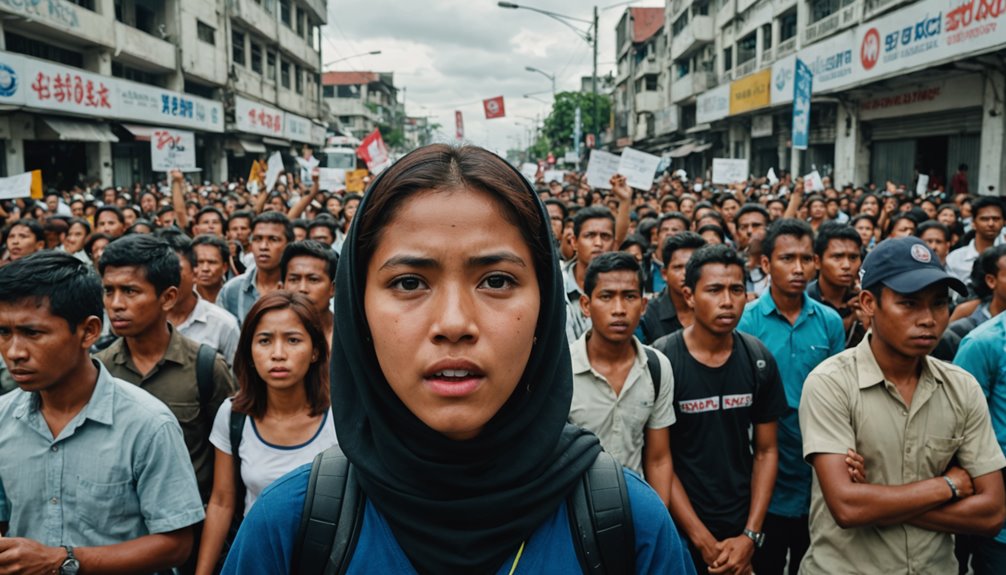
x=70, y=565
x=758, y=538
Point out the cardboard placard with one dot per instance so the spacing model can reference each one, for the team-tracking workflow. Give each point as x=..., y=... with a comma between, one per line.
x=602, y=166
x=729, y=171
x=639, y=168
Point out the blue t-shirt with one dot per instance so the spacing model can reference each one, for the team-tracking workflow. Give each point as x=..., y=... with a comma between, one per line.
x=265, y=542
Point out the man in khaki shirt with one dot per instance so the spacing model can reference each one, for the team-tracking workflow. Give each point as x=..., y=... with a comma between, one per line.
x=901, y=444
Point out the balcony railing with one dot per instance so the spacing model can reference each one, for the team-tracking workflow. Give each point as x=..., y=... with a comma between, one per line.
x=746, y=68
x=767, y=55
x=727, y=76
x=847, y=16
x=785, y=48
x=872, y=8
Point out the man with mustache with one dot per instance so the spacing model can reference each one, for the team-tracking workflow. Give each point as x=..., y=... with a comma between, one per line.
x=902, y=446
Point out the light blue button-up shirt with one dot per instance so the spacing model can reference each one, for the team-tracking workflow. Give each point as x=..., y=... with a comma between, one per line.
x=797, y=348
x=983, y=354
x=239, y=294
x=119, y=470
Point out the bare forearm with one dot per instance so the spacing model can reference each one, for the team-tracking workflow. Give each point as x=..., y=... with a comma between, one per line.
x=863, y=504
x=980, y=514
x=218, y=521
x=659, y=473
x=622, y=221
x=684, y=514
x=302, y=204
x=766, y=467
x=143, y=555
x=178, y=202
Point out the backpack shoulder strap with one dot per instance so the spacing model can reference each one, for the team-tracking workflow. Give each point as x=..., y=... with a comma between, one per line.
x=756, y=353
x=600, y=519
x=204, y=376
x=237, y=426
x=653, y=364
x=332, y=517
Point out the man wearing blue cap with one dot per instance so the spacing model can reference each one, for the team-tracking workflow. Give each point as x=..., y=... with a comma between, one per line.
x=921, y=427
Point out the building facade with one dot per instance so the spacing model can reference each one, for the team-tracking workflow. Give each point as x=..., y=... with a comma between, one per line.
x=642, y=83
x=361, y=102
x=86, y=84
x=900, y=88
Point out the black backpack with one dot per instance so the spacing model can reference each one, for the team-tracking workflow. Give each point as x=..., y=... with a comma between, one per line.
x=757, y=354
x=599, y=515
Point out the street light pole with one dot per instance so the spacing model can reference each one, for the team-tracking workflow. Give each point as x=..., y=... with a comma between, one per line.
x=543, y=73
x=337, y=60
x=595, y=128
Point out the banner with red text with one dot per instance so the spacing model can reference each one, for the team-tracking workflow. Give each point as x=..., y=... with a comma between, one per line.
x=494, y=107
x=373, y=151
x=170, y=149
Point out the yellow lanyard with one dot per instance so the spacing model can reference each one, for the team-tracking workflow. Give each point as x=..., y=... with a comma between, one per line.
x=516, y=559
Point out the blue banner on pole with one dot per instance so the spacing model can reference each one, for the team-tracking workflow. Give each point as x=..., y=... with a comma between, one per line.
x=803, y=80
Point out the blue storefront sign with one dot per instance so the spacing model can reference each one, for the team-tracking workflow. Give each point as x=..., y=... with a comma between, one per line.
x=802, y=82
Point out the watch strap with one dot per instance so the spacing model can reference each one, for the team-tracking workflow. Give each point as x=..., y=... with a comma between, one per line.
x=953, y=487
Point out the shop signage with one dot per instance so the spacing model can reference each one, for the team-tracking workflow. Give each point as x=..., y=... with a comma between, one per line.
x=296, y=128
x=751, y=92
x=318, y=133
x=761, y=126
x=950, y=94
x=666, y=120
x=713, y=104
x=803, y=80
x=257, y=118
x=172, y=149
x=43, y=85
x=832, y=62
x=782, y=80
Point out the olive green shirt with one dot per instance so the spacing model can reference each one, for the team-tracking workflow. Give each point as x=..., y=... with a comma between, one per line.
x=173, y=381
x=847, y=403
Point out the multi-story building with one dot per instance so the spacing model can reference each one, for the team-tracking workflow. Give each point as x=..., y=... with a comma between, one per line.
x=85, y=84
x=361, y=102
x=900, y=87
x=641, y=81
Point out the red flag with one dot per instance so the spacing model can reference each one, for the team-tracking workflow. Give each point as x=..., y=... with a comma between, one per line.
x=494, y=107
x=459, y=125
x=373, y=151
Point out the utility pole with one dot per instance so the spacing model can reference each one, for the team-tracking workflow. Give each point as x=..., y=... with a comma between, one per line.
x=596, y=130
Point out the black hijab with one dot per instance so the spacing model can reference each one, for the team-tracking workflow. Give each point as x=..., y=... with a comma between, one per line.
x=458, y=506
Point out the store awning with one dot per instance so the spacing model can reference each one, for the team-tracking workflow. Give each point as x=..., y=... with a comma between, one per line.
x=276, y=142
x=682, y=151
x=140, y=133
x=702, y=147
x=698, y=128
x=73, y=131
x=245, y=146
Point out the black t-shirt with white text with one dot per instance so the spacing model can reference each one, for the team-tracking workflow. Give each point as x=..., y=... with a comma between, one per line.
x=712, y=439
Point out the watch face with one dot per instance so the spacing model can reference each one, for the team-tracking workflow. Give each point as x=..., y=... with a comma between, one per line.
x=69, y=567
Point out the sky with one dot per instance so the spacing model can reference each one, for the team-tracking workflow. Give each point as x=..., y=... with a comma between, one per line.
x=449, y=55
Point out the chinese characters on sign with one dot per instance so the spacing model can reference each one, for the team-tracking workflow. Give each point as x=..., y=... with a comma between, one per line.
x=71, y=88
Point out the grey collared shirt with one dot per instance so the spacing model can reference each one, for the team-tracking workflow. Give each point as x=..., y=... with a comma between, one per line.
x=212, y=325
x=239, y=294
x=577, y=324
x=119, y=470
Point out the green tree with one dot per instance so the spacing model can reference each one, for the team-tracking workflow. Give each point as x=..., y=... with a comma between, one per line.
x=559, y=124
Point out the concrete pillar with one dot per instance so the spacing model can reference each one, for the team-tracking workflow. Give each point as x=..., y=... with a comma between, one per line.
x=992, y=171
x=216, y=156
x=3, y=37
x=13, y=136
x=852, y=156
x=759, y=44
x=802, y=21
x=98, y=60
x=776, y=33
x=99, y=161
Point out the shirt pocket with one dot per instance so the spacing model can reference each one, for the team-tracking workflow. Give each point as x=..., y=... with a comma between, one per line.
x=105, y=506
x=187, y=415
x=940, y=451
x=813, y=355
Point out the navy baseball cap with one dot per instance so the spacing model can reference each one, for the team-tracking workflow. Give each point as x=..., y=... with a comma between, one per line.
x=906, y=265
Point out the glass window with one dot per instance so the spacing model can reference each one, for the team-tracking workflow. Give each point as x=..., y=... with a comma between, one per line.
x=270, y=65
x=284, y=12
x=728, y=59
x=328, y=91
x=256, y=57
x=238, y=47
x=284, y=73
x=206, y=33
x=298, y=79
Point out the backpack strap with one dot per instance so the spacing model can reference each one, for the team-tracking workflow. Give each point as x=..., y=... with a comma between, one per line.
x=332, y=518
x=653, y=364
x=756, y=355
x=237, y=426
x=204, y=378
x=600, y=518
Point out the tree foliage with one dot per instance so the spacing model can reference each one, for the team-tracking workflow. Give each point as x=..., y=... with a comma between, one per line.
x=559, y=125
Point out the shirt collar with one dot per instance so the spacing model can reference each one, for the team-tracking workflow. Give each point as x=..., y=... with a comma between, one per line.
x=176, y=347
x=248, y=284
x=868, y=371
x=581, y=361
x=99, y=408
x=201, y=312
x=767, y=305
x=665, y=306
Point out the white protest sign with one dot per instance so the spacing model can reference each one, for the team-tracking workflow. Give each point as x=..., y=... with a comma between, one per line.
x=529, y=169
x=571, y=157
x=639, y=168
x=274, y=167
x=772, y=178
x=554, y=176
x=729, y=171
x=922, y=186
x=812, y=182
x=172, y=149
x=18, y=186
x=331, y=179
x=601, y=167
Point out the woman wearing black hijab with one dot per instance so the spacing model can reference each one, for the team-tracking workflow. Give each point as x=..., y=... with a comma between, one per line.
x=451, y=386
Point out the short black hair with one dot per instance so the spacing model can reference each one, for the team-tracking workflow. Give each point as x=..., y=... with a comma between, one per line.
x=81, y=221
x=986, y=264
x=591, y=213
x=33, y=226
x=835, y=231
x=328, y=223
x=70, y=285
x=610, y=262
x=299, y=223
x=634, y=240
x=861, y=217
x=710, y=254
x=560, y=204
x=933, y=225
x=713, y=228
x=151, y=253
x=897, y=218
x=139, y=222
x=160, y=211
x=674, y=216
x=313, y=249
x=752, y=208
x=273, y=217
x=784, y=227
x=682, y=241
x=645, y=227
x=180, y=242
x=93, y=239
x=115, y=210
x=214, y=241
x=983, y=202
x=211, y=210
x=238, y=215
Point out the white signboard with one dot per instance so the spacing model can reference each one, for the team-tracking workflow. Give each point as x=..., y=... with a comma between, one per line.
x=318, y=132
x=639, y=168
x=772, y=178
x=922, y=186
x=331, y=179
x=18, y=186
x=554, y=176
x=729, y=171
x=44, y=85
x=761, y=126
x=256, y=118
x=812, y=182
x=296, y=128
x=602, y=166
x=713, y=104
x=832, y=62
x=782, y=80
x=529, y=169
x=171, y=149
x=571, y=157
x=273, y=169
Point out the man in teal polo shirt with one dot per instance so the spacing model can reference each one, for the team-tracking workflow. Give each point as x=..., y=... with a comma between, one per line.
x=801, y=333
x=983, y=354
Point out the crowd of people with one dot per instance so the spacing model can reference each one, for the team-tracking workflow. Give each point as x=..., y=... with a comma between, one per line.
x=785, y=376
